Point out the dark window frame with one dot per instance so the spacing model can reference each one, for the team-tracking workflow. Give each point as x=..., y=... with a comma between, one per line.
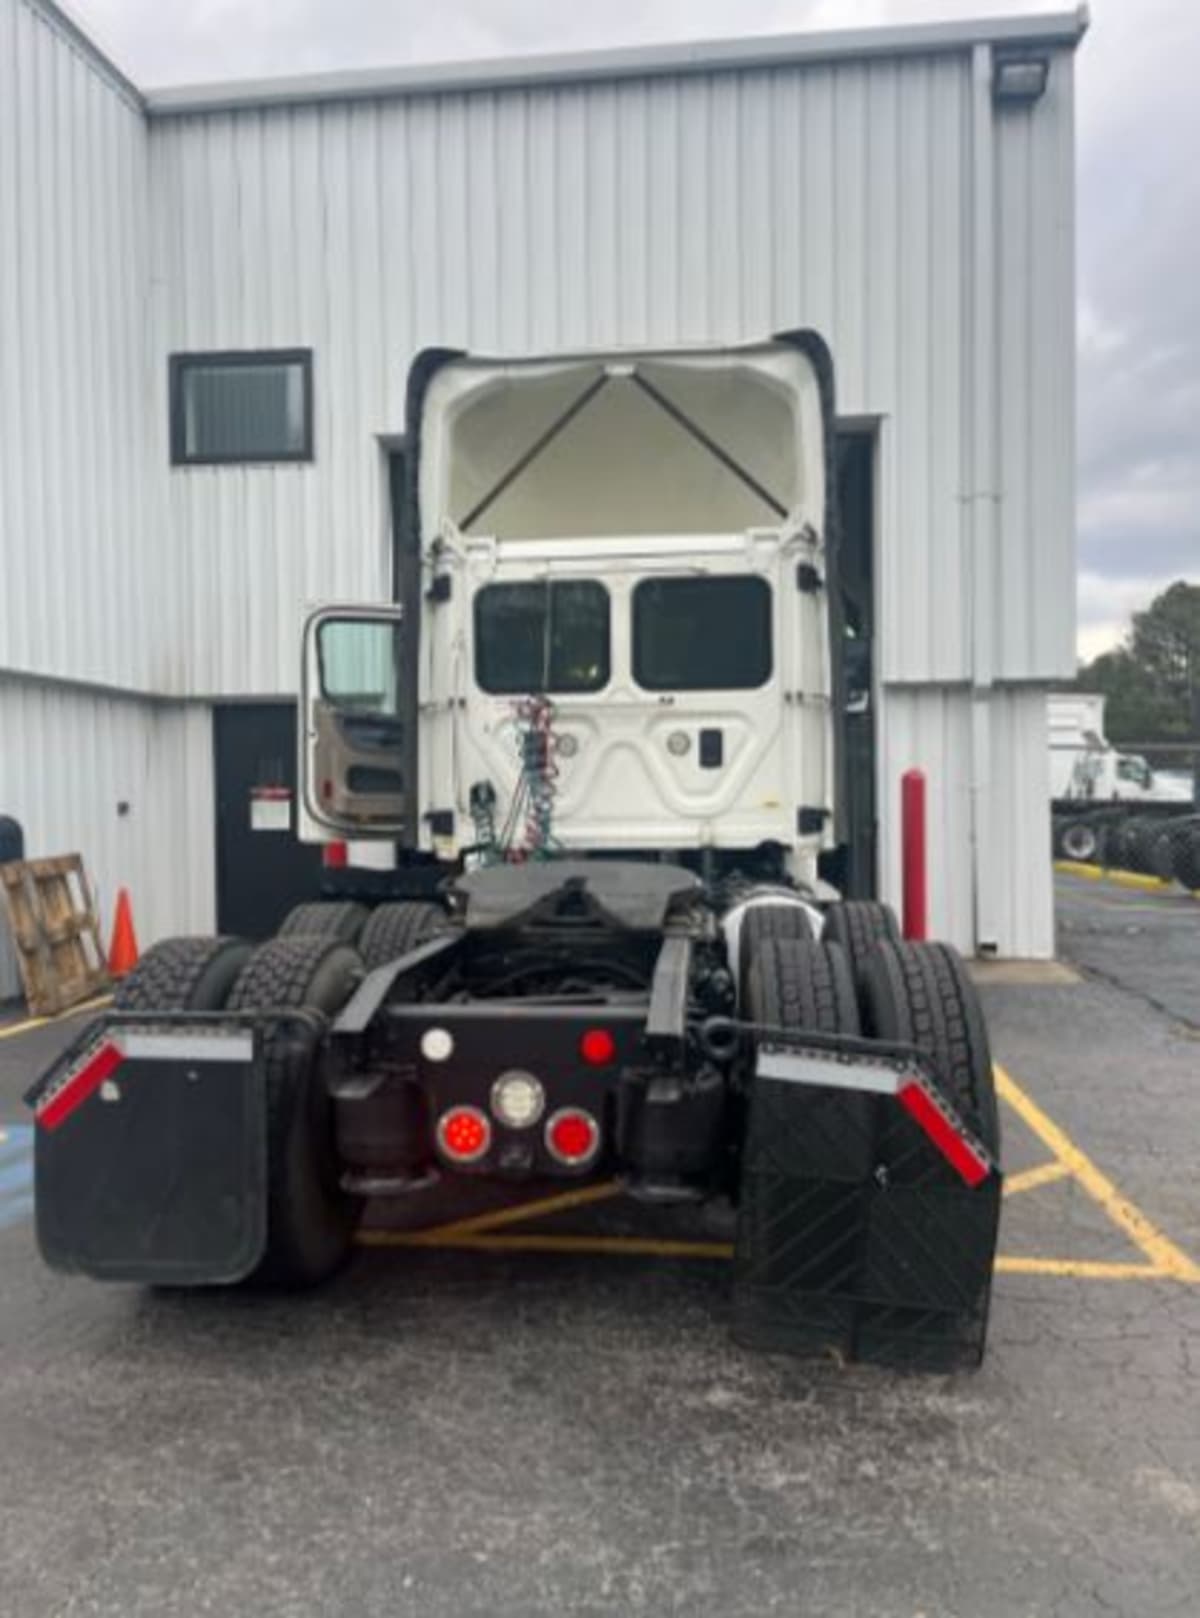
x=551, y=690
x=178, y=365
x=637, y=662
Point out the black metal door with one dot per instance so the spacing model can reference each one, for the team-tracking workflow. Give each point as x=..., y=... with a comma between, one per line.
x=262, y=868
x=856, y=501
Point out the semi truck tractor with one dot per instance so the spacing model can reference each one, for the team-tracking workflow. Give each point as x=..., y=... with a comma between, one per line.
x=600, y=734
x=1109, y=805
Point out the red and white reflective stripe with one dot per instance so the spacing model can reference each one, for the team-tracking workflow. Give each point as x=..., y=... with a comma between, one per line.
x=68, y=1093
x=61, y=1100
x=945, y=1131
x=915, y=1094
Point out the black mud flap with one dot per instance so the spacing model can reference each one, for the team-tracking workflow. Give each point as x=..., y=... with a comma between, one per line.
x=868, y=1213
x=150, y=1153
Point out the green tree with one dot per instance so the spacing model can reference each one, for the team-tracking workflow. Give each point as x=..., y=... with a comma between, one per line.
x=1152, y=681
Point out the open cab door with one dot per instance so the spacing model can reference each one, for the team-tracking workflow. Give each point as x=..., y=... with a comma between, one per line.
x=358, y=741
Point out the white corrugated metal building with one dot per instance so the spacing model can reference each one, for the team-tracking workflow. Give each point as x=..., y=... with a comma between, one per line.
x=877, y=186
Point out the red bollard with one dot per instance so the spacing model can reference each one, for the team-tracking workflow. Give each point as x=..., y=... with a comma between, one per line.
x=912, y=841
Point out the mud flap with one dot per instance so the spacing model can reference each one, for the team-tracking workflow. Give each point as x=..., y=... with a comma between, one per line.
x=868, y=1214
x=150, y=1154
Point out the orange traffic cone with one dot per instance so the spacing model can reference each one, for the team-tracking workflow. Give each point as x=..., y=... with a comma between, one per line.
x=123, y=951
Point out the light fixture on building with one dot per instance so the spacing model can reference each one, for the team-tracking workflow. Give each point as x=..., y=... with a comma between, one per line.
x=1020, y=80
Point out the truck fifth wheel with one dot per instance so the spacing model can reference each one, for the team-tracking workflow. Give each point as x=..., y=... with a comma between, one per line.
x=602, y=734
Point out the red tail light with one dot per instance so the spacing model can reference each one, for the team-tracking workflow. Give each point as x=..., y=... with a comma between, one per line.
x=572, y=1137
x=464, y=1134
x=335, y=856
x=597, y=1047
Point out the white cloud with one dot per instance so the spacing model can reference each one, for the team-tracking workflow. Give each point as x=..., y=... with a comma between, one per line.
x=1105, y=606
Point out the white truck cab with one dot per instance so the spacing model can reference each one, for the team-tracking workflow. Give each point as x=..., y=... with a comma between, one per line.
x=638, y=543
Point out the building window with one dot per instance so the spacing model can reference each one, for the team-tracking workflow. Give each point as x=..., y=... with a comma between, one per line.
x=702, y=634
x=550, y=636
x=243, y=406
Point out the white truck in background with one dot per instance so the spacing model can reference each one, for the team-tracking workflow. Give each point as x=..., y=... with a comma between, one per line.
x=1085, y=765
x=1111, y=808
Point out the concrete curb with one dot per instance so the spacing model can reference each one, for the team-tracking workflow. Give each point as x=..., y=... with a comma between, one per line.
x=1120, y=879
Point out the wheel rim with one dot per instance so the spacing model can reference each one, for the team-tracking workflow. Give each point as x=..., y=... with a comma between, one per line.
x=1080, y=842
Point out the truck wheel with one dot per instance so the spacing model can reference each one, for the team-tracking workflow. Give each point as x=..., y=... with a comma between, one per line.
x=342, y=920
x=920, y=994
x=183, y=974
x=1079, y=841
x=1162, y=854
x=804, y=1149
x=1137, y=846
x=796, y=983
x=762, y=922
x=310, y=1219
x=1187, y=857
x=858, y=925
x=395, y=929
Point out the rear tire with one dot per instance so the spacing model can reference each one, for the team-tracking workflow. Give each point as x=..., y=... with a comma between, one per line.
x=1187, y=857
x=762, y=922
x=920, y=994
x=183, y=974
x=339, y=919
x=796, y=983
x=858, y=925
x=395, y=929
x=310, y=1219
x=1079, y=841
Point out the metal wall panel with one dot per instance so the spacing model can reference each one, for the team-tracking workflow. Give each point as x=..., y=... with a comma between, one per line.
x=680, y=208
x=69, y=757
x=1020, y=795
x=930, y=728
x=1035, y=597
x=80, y=533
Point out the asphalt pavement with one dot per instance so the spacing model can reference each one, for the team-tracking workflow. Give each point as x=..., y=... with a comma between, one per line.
x=458, y=1433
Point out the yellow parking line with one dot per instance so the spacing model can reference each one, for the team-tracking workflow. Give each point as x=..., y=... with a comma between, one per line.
x=656, y=1247
x=1166, y=1258
x=31, y=1023
x=1082, y=1269
x=497, y=1218
x=481, y=1232
x=609, y=1246
x=1030, y=1179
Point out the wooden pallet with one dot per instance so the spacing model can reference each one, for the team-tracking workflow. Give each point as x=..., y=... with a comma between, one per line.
x=52, y=912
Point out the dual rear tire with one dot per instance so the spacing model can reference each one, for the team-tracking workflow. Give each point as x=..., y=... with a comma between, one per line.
x=310, y=1220
x=915, y=994
x=852, y=1238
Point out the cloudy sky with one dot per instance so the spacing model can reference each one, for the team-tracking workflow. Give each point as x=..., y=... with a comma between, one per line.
x=1139, y=201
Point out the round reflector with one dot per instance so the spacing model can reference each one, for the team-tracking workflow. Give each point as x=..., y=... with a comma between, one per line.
x=597, y=1047
x=464, y=1134
x=572, y=1137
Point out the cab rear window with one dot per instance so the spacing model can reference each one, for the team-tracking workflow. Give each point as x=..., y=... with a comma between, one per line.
x=702, y=634
x=547, y=635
